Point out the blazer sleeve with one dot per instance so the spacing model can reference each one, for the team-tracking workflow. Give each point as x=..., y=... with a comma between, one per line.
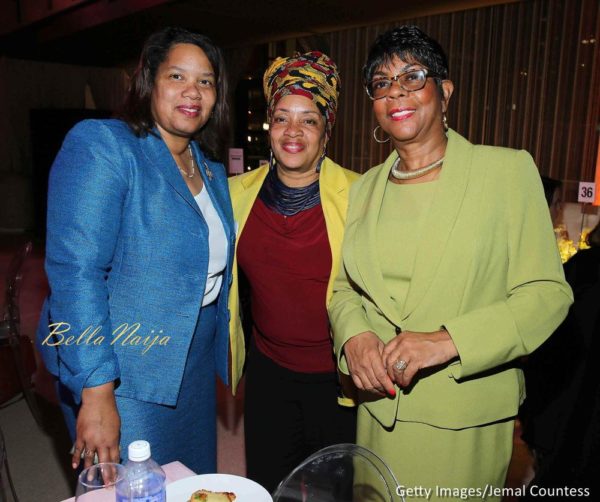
x=85, y=199
x=537, y=295
x=346, y=310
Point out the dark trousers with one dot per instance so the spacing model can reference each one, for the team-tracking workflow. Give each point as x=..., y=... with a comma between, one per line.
x=288, y=416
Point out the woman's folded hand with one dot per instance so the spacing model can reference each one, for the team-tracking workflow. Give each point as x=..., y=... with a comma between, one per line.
x=364, y=356
x=410, y=352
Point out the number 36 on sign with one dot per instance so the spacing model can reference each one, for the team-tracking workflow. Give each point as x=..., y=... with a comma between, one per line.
x=586, y=191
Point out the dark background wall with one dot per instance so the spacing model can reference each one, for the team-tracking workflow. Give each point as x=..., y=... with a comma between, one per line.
x=526, y=74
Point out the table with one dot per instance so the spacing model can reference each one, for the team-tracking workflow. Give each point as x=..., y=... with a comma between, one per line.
x=173, y=470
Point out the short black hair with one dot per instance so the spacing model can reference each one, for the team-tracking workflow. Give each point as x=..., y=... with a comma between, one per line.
x=213, y=137
x=550, y=186
x=410, y=44
x=593, y=238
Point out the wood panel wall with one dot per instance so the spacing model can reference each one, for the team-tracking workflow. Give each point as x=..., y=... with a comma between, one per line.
x=526, y=75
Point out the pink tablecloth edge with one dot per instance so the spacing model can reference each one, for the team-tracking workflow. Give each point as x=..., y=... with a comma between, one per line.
x=173, y=470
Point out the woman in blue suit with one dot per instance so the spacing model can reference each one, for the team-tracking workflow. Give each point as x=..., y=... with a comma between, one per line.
x=139, y=256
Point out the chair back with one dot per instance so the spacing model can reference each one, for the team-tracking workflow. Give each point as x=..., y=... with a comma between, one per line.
x=17, y=359
x=14, y=279
x=340, y=473
x=7, y=489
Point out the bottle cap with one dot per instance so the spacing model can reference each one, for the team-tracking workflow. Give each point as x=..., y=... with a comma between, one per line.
x=138, y=451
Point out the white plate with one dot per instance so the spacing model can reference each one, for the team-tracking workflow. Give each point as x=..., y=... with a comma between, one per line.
x=245, y=490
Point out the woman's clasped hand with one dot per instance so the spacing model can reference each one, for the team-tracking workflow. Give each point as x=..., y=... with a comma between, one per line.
x=376, y=367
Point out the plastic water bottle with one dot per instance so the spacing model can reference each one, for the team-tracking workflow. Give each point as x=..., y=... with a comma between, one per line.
x=144, y=478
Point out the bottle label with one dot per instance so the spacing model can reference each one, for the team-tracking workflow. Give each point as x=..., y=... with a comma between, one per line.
x=155, y=497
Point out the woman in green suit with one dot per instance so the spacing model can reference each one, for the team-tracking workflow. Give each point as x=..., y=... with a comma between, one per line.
x=431, y=323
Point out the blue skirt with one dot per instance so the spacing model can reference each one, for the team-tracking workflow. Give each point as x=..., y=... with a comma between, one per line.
x=185, y=432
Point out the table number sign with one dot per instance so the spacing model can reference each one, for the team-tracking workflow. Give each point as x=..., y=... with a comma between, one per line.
x=236, y=160
x=586, y=192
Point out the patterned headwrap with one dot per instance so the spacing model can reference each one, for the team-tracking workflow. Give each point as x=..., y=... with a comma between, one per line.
x=312, y=75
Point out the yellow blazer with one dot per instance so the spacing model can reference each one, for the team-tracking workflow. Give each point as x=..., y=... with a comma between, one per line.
x=334, y=189
x=487, y=269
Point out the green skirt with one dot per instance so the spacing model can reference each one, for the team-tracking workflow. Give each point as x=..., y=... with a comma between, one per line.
x=431, y=463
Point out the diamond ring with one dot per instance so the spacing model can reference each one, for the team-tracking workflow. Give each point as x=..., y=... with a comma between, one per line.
x=400, y=365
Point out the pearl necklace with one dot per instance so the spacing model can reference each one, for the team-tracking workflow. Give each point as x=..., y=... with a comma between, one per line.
x=185, y=173
x=417, y=173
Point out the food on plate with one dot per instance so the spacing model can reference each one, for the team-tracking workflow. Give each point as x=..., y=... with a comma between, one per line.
x=208, y=496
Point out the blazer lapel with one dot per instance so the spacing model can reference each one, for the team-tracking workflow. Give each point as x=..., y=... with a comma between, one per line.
x=216, y=187
x=364, y=243
x=333, y=187
x=160, y=158
x=445, y=208
x=244, y=196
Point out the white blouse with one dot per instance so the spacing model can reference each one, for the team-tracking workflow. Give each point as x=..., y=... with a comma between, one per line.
x=217, y=247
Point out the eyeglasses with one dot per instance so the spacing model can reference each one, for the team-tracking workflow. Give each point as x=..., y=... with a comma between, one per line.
x=410, y=81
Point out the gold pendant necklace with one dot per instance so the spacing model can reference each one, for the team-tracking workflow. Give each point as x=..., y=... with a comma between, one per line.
x=193, y=171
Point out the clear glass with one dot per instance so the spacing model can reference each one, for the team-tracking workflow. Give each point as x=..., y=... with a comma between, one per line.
x=340, y=473
x=99, y=482
x=410, y=81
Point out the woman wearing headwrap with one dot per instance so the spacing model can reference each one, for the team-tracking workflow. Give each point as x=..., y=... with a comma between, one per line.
x=290, y=216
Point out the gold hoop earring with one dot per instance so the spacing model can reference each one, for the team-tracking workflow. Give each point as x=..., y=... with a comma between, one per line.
x=376, y=138
x=445, y=122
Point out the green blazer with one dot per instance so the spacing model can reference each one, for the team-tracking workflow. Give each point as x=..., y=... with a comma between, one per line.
x=487, y=269
x=334, y=187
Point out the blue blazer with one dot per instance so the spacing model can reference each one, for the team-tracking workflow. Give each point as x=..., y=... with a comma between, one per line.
x=126, y=259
